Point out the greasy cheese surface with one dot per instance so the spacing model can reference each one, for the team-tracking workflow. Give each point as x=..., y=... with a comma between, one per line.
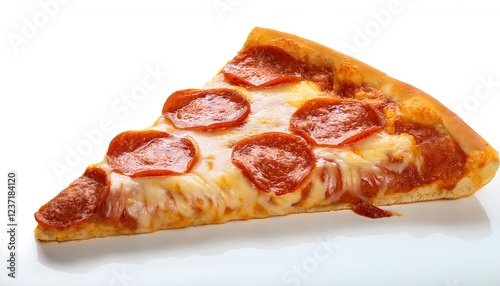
x=217, y=191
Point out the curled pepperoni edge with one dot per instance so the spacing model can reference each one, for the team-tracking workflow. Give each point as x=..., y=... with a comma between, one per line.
x=234, y=73
x=353, y=139
x=247, y=141
x=120, y=145
x=181, y=98
x=94, y=182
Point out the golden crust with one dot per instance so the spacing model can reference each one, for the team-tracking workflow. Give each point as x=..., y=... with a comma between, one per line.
x=302, y=48
x=482, y=159
x=86, y=230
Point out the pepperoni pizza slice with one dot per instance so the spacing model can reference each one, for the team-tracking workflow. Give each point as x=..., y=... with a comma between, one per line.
x=286, y=126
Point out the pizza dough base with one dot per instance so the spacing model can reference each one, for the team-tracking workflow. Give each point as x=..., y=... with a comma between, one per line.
x=482, y=161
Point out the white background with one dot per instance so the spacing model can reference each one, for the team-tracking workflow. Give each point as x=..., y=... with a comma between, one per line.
x=70, y=80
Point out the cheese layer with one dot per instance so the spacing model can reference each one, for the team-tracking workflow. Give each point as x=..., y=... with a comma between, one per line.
x=217, y=191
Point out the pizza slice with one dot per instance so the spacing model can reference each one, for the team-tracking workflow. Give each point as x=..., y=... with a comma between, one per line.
x=286, y=126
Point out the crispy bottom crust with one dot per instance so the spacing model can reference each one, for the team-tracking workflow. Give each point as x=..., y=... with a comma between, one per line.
x=482, y=159
x=464, y=188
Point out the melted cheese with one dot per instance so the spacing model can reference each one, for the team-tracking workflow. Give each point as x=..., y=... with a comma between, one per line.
x=375, y=158
x=216, y=191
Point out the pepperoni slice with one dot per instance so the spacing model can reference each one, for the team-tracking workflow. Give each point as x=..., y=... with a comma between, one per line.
x=206, y=109
x=150, y=153
x=274, y=162
x=78, y=203
x=262, y=65
x=335, y=122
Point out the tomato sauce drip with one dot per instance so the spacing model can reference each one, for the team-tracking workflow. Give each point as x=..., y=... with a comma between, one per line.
x=368, y=210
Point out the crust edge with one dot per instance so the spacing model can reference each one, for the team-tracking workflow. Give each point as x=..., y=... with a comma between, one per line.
x=482, y=157
x=464, y=188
